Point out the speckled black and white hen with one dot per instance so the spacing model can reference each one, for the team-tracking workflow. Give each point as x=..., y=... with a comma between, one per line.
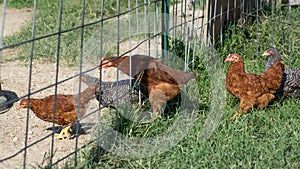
x=118, y=91
x=89, y=80
x=290, y=85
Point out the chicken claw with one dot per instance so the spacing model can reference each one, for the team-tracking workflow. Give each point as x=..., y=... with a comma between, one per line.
x=65, y=132
x=59, y=137
x=135, y=104
x=156, y=115
x=235, y=116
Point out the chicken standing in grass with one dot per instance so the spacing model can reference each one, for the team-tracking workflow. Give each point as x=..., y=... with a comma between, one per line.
x=291, y=77
x=162, y=82
x=118, y=90
x=66, y=108
x=252, y=90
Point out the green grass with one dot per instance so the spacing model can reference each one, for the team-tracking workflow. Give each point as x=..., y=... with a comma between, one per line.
x=268, y=138
x=258, y=38
x=18, y=3
x=260, y=139
x=47, y=22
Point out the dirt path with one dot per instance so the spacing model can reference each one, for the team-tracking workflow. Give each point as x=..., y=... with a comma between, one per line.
x=14, y=77
x=15, y=18
x=13, y=123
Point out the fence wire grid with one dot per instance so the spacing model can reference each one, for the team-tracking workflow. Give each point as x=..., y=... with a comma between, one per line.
x=174, y=31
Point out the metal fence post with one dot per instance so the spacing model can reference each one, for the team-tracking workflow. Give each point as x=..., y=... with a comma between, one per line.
x=165, y=28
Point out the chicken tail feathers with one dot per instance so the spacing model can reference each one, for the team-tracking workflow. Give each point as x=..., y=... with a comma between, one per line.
x=187, y=77
x=191, y=75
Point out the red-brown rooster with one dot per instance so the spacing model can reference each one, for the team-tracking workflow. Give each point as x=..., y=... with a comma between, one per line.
x=66, y=108
x=162, y=82
x=252, y=90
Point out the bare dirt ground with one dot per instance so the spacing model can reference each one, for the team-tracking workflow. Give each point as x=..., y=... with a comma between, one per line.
x=15, y=18
x=14, y=77
x=13, y=123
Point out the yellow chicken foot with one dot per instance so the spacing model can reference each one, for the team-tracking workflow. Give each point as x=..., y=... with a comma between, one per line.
x=235, y=116
x=156, y=114
x=134, y=104
x=65, y=132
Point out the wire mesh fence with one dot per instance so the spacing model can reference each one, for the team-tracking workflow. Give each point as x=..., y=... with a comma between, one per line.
x=58, y=52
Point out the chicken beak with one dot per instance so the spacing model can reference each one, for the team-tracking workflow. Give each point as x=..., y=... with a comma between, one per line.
x=82, y=79
x=101, y=65
x=227, y=60
x=266, y=53
x=105, y=65
x=18, y=108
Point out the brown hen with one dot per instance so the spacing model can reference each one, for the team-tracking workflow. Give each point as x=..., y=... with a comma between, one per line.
x=252, y=90
x=162, y=82
x=66, y=108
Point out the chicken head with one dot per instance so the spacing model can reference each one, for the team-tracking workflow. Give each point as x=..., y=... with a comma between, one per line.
x=111, y=61
x=233, y=58
x=23, y=104
x=270, y=52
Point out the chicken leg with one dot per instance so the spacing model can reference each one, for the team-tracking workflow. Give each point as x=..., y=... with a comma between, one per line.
x=157, y=100
x=236, y=115
x=242, y=108
x=65, y=132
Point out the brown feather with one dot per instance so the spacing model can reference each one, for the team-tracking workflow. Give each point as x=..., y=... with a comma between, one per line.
x=156, y=76
x=66, y=106
x=251, y=89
